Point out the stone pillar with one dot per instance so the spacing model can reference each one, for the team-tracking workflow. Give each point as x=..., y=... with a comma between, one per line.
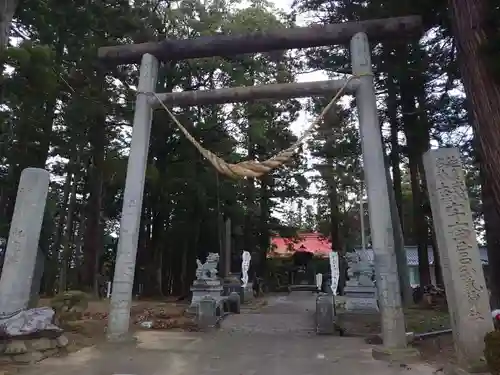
x=393, y=323
x=325, y=314
x=22, y=247
x=399, y=245
x=466, y=291
x=206, y=315
x=121, y=296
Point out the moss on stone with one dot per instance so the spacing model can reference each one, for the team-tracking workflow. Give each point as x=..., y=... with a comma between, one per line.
x=492, y=351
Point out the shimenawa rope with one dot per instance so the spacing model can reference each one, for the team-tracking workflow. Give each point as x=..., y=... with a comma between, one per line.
x=250, y=168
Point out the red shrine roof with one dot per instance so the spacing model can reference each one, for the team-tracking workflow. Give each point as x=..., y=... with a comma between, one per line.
x=314, y=243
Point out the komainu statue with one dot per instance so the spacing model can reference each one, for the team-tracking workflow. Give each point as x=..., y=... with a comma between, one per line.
x=208, y=270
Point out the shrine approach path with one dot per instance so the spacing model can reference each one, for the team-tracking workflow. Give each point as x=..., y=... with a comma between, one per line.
x=277, y=339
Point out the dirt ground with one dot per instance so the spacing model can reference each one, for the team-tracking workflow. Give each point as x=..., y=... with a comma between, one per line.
x=91, y=329
x=168, y=314
x=436, y=350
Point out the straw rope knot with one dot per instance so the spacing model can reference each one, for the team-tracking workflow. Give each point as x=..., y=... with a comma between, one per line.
x=255, y=169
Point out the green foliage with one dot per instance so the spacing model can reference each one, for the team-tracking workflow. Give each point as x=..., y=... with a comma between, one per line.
x=492, y=351
x=69, y=306
x=424, y=72
x=64, y=112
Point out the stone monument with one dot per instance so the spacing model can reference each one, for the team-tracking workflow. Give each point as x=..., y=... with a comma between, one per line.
x=206, y=284
x=325, y=314
x=28, y=333
x=206, y=316
x=22, y=246
x=466, y=291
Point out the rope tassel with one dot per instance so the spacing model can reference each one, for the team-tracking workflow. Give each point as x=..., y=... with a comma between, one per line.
x=254, y=169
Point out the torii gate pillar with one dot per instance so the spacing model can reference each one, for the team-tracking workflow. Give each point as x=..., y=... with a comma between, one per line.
x=389, y=296
x=123, y=279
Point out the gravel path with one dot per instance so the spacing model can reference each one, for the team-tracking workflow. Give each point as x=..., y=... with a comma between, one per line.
x=293, y=313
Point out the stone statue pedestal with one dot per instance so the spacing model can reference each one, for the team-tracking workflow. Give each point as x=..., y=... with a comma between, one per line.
x=361, y=305
x=356, y=305
x=232, y=283
x=360, y=291
x=205, y=288
x=360, y=299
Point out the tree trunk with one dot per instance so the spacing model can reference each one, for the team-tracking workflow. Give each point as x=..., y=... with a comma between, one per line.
x=415, y=150
x=420, y=225
x=80, y=236
x=424, y=143
x=392, y=114
x=336, y=239
x=56, y=248
x=492, y=223
x=155, y=249
x=438, y=271
x=399, y=245
x=93, y=228
x=7, y=11
x=483, y=92
x=144, y=274
x=52, y=260
x=249, y=232
x=265, y=214
x=66, y=254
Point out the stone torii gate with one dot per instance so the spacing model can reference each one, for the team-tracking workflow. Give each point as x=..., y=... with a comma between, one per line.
x=148, y=54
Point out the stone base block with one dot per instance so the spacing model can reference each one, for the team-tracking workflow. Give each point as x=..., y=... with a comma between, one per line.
x=356, y=305
x=207, y=314
x=31, y=350
x=234, y=301
x=234, y=288
x=325, y=316
x=398, y=355
x=202, y=289
x=361, y=305
x=360, y=291
x=248, y=293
